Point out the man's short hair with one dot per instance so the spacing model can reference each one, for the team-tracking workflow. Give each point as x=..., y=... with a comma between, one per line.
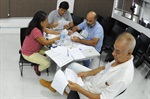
x=64, y=5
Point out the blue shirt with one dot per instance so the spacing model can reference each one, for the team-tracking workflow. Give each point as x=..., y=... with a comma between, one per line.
x=95, y=32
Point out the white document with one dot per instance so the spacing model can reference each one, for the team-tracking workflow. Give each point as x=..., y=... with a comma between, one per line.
x=77, y=34
x=61, y=78
x=84, y=33
x=61, y=24
x=59, y=82
x=76, y=53
x=72, y=76
x=58, y=58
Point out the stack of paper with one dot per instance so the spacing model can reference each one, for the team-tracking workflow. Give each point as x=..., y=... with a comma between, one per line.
x=60, y=59
x=61, y=78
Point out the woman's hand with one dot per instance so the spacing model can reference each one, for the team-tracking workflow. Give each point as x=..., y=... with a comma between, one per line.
x=56, y=32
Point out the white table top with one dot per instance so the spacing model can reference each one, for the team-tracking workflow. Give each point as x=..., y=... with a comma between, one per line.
x=77, y=51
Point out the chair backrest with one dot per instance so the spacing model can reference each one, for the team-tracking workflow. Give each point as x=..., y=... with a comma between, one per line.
x=77, y=20
x=99, y=18
x=107, y=25
x=148, y=50
x=116, y=30
x=148, y=25
x=134, y=32
x=142, y=43
x=23, y=33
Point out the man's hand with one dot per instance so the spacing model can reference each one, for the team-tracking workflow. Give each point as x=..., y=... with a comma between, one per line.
x=73, y=86
x=70, y=32
x=75, y=39
x=83, y=75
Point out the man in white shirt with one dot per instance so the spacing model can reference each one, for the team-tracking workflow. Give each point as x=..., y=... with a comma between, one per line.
x=106, y=82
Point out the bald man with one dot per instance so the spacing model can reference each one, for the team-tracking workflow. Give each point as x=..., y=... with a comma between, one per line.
x=105, y=82
x=95, y=33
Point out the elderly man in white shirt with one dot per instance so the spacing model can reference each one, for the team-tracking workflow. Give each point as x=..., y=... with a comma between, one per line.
x=108, y=81
x=105, y=82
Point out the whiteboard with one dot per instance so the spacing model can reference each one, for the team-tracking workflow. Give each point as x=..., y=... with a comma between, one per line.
x=71, y=5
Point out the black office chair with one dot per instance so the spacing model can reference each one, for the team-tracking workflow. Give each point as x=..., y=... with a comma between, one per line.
x=148, y=25
x=142, y=43
x=110, y=40
x=107, y=24
x=77, y=19
x=146, y=59
x=134, y=32
x=99, y=18
x=22, y=61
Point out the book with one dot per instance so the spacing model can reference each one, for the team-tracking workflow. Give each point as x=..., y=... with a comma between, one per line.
x=61, y=78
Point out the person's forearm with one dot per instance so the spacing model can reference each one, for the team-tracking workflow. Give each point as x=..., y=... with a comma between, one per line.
x=49, y=31
x=87, y=42
x=50, y=26
x=71, y=24
x=95, y=71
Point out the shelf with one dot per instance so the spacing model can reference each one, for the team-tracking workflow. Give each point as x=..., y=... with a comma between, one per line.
x=135, y=25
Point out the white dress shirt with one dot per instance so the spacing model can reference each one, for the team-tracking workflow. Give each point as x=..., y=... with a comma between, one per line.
x=111, y=81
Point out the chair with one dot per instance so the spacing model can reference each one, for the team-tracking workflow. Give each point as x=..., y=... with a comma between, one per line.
x=22, y=61
x=142, y=43
x=99, y=18
x=134, y=32
x=110, y=40
x=107, y=25
x=77, y=20
x=146, y=59
x=148, y=25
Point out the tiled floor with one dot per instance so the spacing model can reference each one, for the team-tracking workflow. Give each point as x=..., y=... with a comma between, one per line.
x=13, y=86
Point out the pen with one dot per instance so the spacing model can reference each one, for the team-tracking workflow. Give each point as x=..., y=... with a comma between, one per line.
x=67, y=52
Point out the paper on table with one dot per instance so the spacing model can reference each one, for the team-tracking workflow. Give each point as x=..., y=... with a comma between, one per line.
x=77, y=34
x=84, y=47
x=58, y=58
x=60, y=80
x=76, y=53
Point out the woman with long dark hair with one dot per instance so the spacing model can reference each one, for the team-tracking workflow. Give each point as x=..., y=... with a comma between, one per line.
x=33, y=48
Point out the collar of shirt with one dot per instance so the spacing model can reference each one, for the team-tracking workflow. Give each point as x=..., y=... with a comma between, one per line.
x=123, y=65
